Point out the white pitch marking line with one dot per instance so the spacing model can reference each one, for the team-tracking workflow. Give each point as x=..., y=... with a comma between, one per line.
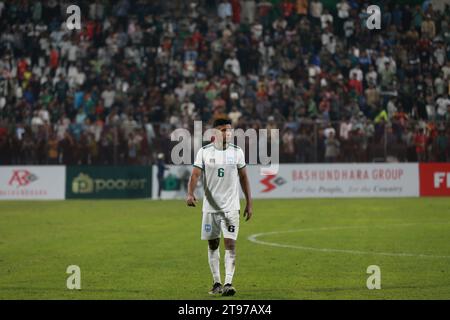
x=253, y=238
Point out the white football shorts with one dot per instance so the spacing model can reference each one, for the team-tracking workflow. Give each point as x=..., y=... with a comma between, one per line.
x=216, y=223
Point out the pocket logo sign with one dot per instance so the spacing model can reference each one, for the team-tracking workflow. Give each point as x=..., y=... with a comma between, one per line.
x=83, y=184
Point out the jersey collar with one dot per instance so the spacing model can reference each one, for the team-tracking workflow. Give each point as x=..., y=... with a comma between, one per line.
x=221, y=148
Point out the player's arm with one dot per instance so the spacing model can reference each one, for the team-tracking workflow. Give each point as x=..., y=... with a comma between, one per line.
x=195, y=175
x=245, y=184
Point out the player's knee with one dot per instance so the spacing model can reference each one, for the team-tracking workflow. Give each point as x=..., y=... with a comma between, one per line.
x=214, y=244
x=230, y=244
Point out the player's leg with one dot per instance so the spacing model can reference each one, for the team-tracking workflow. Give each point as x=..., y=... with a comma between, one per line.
x=230, y=264
x=214, y=265
x=211, y=232
x=230, y=229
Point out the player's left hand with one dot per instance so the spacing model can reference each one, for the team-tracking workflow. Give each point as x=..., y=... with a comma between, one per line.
x=248, y=212
x=191, y=200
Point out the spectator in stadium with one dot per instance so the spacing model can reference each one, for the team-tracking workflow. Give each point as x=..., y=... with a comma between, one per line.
x=420, y=141
x=134, y=65
x=332, y=147
x=441, y=146
x=161, y=169
x=288, y=147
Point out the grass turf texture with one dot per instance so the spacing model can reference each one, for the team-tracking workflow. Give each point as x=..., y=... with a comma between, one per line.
x=152, y=250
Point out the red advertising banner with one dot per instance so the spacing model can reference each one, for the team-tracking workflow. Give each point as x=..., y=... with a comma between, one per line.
x=434, y=179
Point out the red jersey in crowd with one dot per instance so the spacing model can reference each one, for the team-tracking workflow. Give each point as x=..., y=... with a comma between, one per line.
x=22, y=67
x=288, y=8
x=236, y=8
x=2, y=132
x=420, y=141
x=356, y=85
x=54, y=59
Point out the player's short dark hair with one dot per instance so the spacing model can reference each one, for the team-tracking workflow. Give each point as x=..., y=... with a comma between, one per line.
x=221, y=122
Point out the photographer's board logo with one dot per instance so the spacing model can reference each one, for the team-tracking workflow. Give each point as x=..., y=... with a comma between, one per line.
x=22, y=178
x=73, y=22
x=257, y=147
x=374, y=20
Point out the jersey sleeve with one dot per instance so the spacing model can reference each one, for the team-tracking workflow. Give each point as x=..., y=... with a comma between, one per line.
x=199, y=160
x=241, y=159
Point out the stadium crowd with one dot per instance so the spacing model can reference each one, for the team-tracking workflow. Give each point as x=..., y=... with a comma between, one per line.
x=112, y=92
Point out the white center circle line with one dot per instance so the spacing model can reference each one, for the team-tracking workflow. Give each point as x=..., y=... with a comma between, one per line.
x=254, y=238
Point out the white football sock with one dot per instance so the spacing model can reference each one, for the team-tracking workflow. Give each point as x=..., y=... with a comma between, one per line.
x=214, y=264
x=230, y=262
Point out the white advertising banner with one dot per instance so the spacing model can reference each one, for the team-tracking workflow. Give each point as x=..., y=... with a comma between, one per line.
x=32, y=182
x=174, y=183
x=337, y=181
x=310, y=181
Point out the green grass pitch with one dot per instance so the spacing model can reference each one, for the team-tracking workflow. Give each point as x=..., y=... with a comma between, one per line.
x=152, y=249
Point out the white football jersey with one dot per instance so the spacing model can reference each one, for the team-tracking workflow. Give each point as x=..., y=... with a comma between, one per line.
x=220, y=176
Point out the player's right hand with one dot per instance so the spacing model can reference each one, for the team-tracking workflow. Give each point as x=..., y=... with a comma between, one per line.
x=191, y=200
